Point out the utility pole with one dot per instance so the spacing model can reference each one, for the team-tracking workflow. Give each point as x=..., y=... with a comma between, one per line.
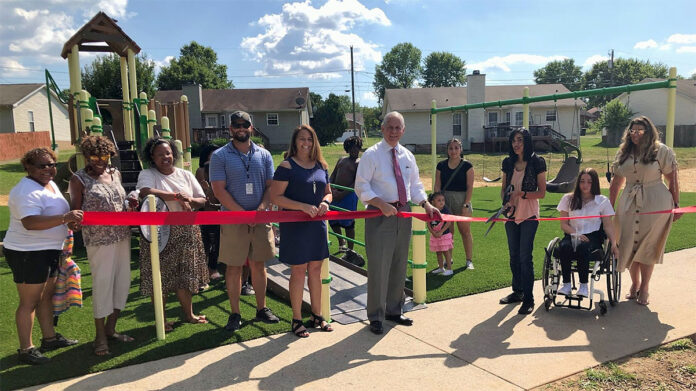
x=611, y=67
x=352, y=89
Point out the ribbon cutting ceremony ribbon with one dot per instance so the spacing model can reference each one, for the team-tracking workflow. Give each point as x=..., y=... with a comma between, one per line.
x=257, y=217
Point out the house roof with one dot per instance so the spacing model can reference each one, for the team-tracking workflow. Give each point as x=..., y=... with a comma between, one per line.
x=358, y=117
x=101, y=28
x=10, y=94
x=259, y=99
x=417, y=99
x=685, y=87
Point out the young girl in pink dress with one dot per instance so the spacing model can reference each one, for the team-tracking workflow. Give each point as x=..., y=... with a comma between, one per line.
x=441, y=237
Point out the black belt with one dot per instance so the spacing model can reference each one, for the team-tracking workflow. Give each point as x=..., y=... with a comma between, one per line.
x=396, y=204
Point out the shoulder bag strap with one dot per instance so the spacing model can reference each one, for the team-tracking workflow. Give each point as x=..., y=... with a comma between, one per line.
x=451, y=178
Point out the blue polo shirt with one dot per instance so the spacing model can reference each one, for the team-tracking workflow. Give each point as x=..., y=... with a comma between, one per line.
x=238, y=169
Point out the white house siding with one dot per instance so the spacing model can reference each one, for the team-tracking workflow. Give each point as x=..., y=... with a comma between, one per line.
x=38, y=103
x=6, y=120
x=653, y=104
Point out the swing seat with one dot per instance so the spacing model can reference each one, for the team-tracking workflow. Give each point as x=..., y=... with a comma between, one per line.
x=564, y=182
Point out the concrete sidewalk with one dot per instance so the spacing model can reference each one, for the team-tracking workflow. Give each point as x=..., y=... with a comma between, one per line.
x=470, y=342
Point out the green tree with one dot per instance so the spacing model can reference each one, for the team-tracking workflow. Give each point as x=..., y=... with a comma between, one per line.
x=564, y=72
x=371, y=119
x=196, y=64
x=330, y=120
x=443, y=69
x=102, y=78
x=693, y=76
x=316, y=100
x=400, y=68
x=615, y=117
x=626, y=71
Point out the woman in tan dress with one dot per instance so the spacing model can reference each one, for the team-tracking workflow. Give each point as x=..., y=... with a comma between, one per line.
x=640, y=163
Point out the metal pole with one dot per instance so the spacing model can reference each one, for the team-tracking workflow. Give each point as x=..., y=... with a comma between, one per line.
x=156, y=277
x=433, y=140
x=352, y=90
x=525, y=109
x=54, y=146
x=671, y=107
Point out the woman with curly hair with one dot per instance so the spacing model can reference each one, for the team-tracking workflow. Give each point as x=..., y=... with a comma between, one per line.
x=640, y=163
x=32, y=246
x=182, y=262
x=98, y=188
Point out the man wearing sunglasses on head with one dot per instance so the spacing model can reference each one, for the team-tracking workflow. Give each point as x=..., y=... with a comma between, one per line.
x=240, y=174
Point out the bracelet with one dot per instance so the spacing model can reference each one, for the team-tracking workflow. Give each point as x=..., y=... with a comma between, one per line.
x=422, y=204
x=326, y=202
x=524, y=196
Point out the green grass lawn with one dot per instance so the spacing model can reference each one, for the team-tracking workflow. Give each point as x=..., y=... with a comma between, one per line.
x=490, y=258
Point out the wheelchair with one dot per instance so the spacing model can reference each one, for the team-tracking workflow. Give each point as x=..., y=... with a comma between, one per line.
x=602, y=263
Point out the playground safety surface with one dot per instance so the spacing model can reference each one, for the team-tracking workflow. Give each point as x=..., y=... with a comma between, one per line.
x=470, y=342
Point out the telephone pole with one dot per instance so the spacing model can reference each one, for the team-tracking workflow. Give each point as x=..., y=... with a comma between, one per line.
x=352, y=89
x=611, y=67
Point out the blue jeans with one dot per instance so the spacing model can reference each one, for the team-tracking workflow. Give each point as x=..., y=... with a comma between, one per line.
x=521, y=243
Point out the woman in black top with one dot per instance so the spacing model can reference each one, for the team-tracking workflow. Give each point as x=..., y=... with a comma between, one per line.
x=527, y=173
x=455, y=179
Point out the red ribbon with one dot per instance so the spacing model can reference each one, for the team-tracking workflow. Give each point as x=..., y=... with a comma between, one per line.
x=254, y=217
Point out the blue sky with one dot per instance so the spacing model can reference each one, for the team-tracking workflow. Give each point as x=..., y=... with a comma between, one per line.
x=269, y=43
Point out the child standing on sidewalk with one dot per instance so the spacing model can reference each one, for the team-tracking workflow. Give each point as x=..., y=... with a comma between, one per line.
x=441, y=236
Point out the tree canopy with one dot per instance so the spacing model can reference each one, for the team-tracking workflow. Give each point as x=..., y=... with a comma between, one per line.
x=330, y=119
x=443, y=69
x=102, y=78
x=400, y=68
x=196, y=64
x=626, y=71
x=615, y=117
x=564, y=72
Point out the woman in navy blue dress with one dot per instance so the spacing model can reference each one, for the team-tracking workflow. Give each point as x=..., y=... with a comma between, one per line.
x=301, y=182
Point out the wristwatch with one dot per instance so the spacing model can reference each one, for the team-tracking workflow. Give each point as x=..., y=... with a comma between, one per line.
x=326, y=202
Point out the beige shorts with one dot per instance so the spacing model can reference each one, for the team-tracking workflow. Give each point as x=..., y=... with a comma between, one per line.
x=455, y=202
x=240, y=241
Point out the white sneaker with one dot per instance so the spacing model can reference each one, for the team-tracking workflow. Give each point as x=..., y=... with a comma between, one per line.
x=565, y=289
x=582, y=290
x=438, y=270
x=469, y=265
x=447, y=272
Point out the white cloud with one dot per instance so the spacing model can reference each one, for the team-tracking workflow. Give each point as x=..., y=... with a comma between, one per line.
x=665, y=46
x=503, y=63
x=687, y=49
x=13, y=68
x=314, y=41
x=649, y=44
x=369, y=96
x=164, y=63
x=682, y=38
x=593, y=60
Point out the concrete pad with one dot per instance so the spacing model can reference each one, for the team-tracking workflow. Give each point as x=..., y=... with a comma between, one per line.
x=350, y=357
x=545, y=346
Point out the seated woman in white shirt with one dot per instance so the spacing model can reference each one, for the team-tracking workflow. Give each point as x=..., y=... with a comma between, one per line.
x=586, y=200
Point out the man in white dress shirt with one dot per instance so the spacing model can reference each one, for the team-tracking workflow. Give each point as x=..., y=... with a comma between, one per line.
x=387, y=179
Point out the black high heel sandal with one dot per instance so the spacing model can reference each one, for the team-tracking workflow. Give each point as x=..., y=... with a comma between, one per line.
x=296, y=325
x=316, y=321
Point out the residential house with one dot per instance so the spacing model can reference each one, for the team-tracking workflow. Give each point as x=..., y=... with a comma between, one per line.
x=24, y=108
x=275, y=112
x=653, y=104
x=414, y=104
x=358, y=128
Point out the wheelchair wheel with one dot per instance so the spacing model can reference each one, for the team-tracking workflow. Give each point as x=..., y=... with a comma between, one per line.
x=615, y=288
x=547, y=272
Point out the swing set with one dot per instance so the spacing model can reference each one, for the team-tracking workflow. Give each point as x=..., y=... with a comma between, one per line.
x=565, y=179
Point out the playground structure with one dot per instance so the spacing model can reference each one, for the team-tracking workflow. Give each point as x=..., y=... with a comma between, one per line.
x=565, y=180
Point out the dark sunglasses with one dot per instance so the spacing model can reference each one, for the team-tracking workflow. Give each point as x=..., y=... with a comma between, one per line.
x=238, y=125
x=45, y=166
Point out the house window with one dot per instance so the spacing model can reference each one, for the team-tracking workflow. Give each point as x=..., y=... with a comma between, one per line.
x=30, y=115
x=457, y=124
x=518, y=118
x=272, y=119
x=507, y=117
x=211, y=121
x=551, y=116
x=222, y=121
x=492, y=118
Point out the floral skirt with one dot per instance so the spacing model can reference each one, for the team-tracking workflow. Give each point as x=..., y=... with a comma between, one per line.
x=182, y=262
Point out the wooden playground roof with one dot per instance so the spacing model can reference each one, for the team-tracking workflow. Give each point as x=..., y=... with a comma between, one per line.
x=101, y=28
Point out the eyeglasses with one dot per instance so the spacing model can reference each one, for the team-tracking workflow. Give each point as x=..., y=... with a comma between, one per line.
x=639, y=131
x=238, y=125
x=96, y=159
x=45, y=165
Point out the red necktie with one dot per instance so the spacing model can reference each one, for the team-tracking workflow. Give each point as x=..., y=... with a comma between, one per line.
x=400, y=186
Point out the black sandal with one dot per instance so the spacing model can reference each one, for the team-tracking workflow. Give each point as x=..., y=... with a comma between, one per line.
x=317, y=320
x=296, y=325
